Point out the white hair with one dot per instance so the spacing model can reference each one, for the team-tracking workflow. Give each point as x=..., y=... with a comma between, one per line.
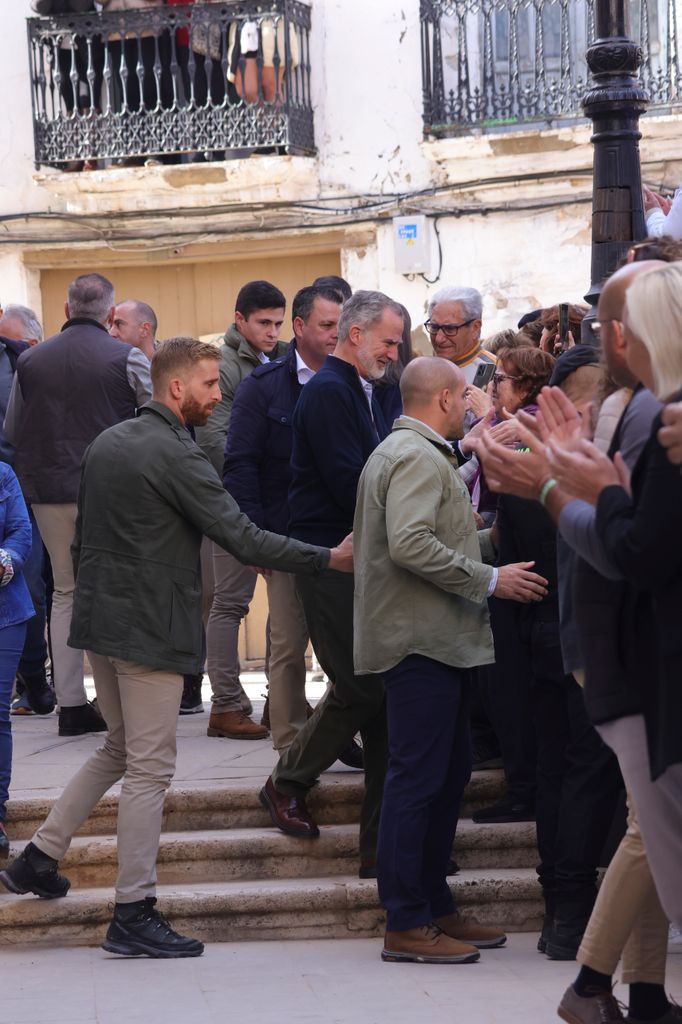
x=470, y=299
x=29, y=321
x=653, y=309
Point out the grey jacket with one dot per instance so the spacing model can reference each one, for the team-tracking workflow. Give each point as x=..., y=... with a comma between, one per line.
x=420, y=582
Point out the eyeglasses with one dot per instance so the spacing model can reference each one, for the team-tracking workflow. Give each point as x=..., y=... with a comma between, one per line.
x=449, y=330
x=497, y=378
x=598, y=324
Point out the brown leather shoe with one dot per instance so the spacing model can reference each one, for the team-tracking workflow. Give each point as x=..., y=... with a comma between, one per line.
x=288, y=813
x=427, y=945
x=234, y=725
x=468, y=929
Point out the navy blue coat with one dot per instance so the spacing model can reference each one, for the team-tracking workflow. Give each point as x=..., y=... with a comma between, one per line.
x=334, y=435
x=258, y=446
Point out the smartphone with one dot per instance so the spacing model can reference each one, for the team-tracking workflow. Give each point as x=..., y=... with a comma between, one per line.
x=563, y=326
x=484, y=374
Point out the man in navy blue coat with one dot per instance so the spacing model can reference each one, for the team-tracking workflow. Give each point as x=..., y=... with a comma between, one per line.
x=257, y=475
x=337, y=424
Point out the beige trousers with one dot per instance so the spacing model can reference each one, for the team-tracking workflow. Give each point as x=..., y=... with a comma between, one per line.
x=288, y=645
x=140, y=706
x=57, y=525
x=627, y=919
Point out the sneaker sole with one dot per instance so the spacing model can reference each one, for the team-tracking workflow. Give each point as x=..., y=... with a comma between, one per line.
x=283, y=828
x=139, y=949
x=44, y=895
x=486, y=943
x=198, y=710
x=234, y=735
x=411, y=958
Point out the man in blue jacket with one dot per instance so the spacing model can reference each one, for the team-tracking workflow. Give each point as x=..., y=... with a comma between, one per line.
x=337, y=424
x=257, y=475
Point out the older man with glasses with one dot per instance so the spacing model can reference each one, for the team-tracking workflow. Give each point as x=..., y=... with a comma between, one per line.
x=454, y=327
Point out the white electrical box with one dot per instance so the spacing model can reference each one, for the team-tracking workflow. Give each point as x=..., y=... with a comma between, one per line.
x=412, y=244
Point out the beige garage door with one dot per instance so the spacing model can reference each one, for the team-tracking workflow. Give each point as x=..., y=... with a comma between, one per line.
x=191, y=298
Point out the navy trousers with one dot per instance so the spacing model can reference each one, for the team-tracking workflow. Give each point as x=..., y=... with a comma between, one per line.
x=429, y=746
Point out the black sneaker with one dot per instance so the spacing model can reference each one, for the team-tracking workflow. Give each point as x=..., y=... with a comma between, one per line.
x=33, y=871
x=191, y=703
x=139, y=930
x=353, y=756
x=37, y=691
x=79, y=720
x=504, y=811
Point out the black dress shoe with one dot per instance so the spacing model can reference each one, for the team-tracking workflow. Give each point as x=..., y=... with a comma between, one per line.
x=33, y=871
x=138, y=929
x=353, y=756
x=504, y=811
x=288, y=813
x=79, y=720
x=39, y=693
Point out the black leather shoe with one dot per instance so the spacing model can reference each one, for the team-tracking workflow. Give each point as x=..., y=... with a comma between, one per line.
x=138, y=929
x=33, y=871
x=353, y=756
x=39, y=693
x=547, y=925
x=504, y=811
x=79, y=720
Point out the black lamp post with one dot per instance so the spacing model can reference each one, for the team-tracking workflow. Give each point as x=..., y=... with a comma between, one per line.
x=614, y=102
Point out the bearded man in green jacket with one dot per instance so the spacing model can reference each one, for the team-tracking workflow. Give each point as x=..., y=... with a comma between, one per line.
x=148, y=495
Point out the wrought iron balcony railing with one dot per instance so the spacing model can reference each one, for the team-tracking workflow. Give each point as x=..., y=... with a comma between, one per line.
x=496, y=64
x=194, y=78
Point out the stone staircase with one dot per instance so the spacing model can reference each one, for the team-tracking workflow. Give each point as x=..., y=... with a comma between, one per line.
x=226, y=874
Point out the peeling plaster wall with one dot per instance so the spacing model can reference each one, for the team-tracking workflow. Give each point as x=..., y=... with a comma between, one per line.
x=367, y=94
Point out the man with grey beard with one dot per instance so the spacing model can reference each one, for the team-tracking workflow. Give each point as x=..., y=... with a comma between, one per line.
x=337, y=425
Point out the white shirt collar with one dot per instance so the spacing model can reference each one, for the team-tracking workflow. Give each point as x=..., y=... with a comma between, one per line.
x=303, y=371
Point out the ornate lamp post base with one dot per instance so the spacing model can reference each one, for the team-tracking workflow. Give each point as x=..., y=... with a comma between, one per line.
x=615, y=103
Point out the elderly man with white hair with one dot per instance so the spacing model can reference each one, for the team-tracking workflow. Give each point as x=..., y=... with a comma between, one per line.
x=454, y=327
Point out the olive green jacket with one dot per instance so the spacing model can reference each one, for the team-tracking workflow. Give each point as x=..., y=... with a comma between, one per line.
x=237, y=360
x=420, y=583
x=148, y=495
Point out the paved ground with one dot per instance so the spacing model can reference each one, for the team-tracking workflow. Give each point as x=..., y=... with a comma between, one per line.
x=340, y=982
x=335, y=982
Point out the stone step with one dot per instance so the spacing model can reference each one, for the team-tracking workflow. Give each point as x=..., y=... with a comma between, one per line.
x=236, y=806
x=250, y=854
x=303, y=908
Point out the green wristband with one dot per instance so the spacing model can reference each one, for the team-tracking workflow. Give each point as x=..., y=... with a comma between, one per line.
x=546, y=488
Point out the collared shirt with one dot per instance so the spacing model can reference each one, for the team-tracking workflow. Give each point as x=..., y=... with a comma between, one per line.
x=303, y=371
x=264, y=357
x=368, y=388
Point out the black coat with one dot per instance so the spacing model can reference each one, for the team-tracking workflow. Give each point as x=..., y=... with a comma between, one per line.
x=643, y=538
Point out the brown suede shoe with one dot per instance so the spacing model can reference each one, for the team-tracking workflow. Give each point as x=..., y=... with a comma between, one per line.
x=427, y=945
x=469, y=930
x=288, y=813
x=235, y=725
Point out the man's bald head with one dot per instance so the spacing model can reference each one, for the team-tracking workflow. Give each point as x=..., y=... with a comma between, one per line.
x=432, y=391
x=610, y=315
x=612, y=298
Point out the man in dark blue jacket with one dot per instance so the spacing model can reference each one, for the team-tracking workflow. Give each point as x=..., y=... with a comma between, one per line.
x=257, y=475
x=337, y=424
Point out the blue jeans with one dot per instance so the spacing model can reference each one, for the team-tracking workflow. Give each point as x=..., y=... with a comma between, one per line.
x=429, y=764
x=11, y=646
